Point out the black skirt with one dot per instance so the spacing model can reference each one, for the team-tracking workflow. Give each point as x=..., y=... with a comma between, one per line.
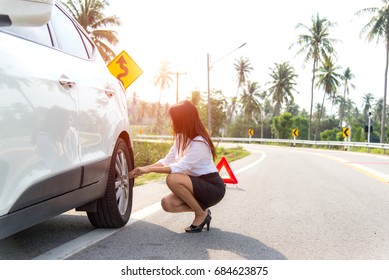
x=208, y=189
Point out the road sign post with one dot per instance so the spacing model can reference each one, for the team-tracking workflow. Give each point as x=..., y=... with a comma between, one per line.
x=346, y=132
x=295, y=133
x=250, y=133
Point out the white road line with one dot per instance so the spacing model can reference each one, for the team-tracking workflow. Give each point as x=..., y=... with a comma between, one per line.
x=76, y=245
x=240, y=170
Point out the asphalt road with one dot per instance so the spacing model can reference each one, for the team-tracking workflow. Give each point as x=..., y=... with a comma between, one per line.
x=289, y=203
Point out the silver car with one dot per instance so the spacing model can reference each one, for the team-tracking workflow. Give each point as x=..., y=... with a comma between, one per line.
x=65, y=138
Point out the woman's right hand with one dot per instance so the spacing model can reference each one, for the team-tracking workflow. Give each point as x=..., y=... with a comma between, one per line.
x=139, y=171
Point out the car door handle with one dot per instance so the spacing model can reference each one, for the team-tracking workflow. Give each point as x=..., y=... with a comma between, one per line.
x=66, y=82
x=109, y=91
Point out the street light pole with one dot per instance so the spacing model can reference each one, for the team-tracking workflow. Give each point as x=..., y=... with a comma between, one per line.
x=209, y=66
x=368, y=128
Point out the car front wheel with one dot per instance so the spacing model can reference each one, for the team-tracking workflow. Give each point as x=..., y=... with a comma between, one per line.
x=114, y=208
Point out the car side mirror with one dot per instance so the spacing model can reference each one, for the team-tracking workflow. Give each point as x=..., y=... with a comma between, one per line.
x=25, y=12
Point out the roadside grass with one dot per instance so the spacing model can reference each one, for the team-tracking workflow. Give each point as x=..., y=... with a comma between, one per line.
x=146, y=153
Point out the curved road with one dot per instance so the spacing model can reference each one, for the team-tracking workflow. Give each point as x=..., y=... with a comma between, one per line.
x=290, y=203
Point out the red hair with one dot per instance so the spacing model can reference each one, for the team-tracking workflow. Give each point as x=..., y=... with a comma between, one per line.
x=187, y=125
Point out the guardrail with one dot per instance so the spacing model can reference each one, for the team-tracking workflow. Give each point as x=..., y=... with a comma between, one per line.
x=293, y=142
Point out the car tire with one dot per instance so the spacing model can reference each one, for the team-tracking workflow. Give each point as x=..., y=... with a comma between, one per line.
x=114, y=208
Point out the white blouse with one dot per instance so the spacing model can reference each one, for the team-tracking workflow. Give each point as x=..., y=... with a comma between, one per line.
x=196, y=160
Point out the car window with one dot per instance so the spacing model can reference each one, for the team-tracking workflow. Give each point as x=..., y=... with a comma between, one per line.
x=67, y=35
x=39, y=34
x=88, y=44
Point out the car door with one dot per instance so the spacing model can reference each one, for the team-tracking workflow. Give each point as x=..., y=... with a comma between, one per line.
x=91, y=76
x=39, y=141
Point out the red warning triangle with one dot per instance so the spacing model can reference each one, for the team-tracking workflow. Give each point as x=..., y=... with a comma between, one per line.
x=223, y=163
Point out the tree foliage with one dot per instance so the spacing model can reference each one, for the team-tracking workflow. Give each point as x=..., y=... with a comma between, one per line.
x=89, y=14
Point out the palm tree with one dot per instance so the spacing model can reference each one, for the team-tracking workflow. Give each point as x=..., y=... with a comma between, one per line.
x=318, y=110
x=243, y=68
x=292, y=107
x=267, y=112
x=377, y=110
x=163, y=80
x=367, y=98
x=89, y=14
x=367, y=106
x=315, y=44
x=349, y=109
x=341, y=110
x=328, y=80
x=335, y=100
x=346, y=78
x=249, y=100
x=378, y=28
x=282, y=85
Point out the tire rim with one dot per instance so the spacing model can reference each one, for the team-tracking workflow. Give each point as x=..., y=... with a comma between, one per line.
x=122, y=182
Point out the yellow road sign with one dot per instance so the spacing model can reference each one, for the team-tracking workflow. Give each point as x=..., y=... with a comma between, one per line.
x=345, y=132
x=124, y=68
x=295, y=132
x=250, y=132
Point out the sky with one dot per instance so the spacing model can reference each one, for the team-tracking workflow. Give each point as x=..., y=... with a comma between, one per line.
x=183, y=32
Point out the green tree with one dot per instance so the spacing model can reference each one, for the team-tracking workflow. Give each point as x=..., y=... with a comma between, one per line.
x=378, y=28
x=301, y=123
x=163, y=80
x=358, y=135
x=282, y=85
x=329, y=81
x=282, y=126
x=89, y=14
x=196, y=98
x=218, y=112
x=329, y=134
x=377, y=110
x=315, y=44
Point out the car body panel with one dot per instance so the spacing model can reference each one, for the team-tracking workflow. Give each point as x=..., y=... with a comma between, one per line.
x=60, y=117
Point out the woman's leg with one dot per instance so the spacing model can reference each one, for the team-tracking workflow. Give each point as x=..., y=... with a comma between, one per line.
x=173, y=204
x=182, y=198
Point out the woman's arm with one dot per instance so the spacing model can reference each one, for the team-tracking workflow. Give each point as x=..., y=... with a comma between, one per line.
x=156, y=167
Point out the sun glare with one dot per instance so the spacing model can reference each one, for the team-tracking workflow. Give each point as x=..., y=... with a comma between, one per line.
x=151, y=32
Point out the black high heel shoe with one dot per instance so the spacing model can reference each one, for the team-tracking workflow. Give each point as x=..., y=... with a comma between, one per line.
x=199, y=228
